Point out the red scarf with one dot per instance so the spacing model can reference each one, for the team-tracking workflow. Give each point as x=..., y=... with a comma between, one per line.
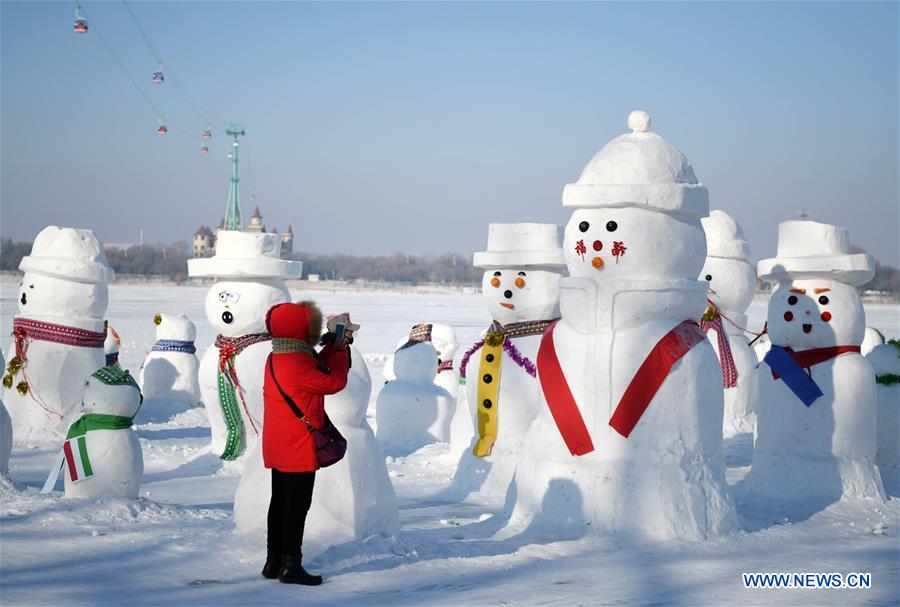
x=26, y=330
x=808, y=358
x=229, y=348
x=641, y=390
x=712, y=320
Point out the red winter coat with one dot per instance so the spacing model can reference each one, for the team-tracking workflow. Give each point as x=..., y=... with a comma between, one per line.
x=286, y=442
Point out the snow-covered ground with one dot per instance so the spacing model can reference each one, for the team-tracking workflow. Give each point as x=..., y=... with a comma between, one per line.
x=176, y=544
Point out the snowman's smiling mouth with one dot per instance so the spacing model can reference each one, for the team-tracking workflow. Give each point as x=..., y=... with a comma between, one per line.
x=508, y=305
x=807, y=328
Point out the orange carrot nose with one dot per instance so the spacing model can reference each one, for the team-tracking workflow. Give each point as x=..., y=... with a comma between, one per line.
x=597, y=262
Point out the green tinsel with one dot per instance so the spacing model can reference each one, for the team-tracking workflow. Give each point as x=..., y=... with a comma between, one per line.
x=887, y=379
x=234, y=443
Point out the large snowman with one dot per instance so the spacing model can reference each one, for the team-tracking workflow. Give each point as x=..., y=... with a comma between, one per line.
x=169, y=376
x=249, y=275
x=352, y=499
x=631, y=434
x=816, y=432
x=732, y=284
x=102, y=455
x=522, y=267
x=58, y=334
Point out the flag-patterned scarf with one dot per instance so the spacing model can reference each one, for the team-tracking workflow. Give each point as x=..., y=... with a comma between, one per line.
x=712, y=320
x=230, y=390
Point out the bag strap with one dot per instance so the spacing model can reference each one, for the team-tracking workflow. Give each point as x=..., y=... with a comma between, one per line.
x=290, y=402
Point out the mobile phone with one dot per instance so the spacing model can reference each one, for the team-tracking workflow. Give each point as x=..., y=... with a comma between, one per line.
x=339, y=333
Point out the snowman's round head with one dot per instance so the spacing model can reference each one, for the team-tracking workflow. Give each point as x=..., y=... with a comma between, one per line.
x=112, y=391
x=521, y=293
x=815, y=313
x=732, y=283
x=238, y=307
x=417, y=363
x=443, y=337
x=44, y=295
x=607, y=243
x=178, y=327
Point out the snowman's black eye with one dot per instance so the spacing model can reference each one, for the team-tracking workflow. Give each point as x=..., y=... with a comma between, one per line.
x=30, y=286
x=611, y=226
x=498, y=274
x=708, y=277
x=584, y=226
x=792, y=299
x=823, y=300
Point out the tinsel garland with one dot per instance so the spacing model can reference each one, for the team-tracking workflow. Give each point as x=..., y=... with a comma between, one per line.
x=887, y=379
x=510, y=348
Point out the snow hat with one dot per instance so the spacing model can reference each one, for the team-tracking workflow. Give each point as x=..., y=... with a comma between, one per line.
x=245, y=255
x=639, y=169
x=808, y=249
x=418, y=334
x=724, y=237
x=68, y=253
x=512, y=245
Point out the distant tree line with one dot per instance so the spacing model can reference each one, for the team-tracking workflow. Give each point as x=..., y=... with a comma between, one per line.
x=171, y=261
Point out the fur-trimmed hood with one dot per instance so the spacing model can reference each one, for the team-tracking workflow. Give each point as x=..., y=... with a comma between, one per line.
x=301, y=320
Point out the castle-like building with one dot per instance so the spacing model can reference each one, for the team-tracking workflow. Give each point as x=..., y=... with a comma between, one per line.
x=205, y=239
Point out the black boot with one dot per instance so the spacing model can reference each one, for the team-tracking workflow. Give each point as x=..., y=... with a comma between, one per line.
x=272, y=567
x=292, y=572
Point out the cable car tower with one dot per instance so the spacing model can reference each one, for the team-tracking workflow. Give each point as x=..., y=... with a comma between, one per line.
x=233, y=219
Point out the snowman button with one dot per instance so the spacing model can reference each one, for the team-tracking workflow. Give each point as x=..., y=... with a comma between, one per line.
x=488, y=378
x=489, y=358
x=487, y=403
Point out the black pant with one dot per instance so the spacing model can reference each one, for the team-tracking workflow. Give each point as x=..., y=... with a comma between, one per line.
x=291, y=498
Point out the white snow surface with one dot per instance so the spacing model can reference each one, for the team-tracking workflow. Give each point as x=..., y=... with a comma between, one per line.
x=176, y=544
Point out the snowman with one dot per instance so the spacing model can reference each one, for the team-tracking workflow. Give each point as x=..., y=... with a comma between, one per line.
x=885, y=360
x=169, y=374
x=412, y=411
x=101, y=454
x=630, y=437
x=443, y=338
x=6, y=438
x=59, y=333
x=732, y=284
x=816, y=432
x=249, y=275
x=871, y=339
x=522, y=267
x=352, y=499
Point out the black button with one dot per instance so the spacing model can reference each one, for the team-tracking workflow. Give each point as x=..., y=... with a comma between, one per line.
x=584, y=226
x=487, y=378
x=611, y=226
x=487, y=404
x=489, y=358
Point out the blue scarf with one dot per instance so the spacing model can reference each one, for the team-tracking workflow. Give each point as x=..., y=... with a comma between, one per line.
x=793, y=375
x=174, y=345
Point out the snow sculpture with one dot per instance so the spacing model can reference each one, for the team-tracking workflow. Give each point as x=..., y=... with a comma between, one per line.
x=732, y=284
x=631, y=434
x=249, y=275
x=523, y=264
x=58, y=334
x=816, y=415
x=169, y=375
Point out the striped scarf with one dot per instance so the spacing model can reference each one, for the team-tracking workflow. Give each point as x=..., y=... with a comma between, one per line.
x=712, y=320
x=230, y=390
x=445, y=365
x=287, y=345
x=27, y=330
x=497, y=334
x=174, y=345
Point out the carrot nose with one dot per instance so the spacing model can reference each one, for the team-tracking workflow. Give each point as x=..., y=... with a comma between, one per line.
x=597, y=262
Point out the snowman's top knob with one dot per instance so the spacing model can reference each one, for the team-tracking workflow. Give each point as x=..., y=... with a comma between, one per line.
x=639, y=121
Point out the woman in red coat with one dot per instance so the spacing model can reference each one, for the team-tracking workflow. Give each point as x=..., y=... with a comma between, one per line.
x=306, y=376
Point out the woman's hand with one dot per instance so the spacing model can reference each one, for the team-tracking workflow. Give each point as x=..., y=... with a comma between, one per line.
x=349, y=328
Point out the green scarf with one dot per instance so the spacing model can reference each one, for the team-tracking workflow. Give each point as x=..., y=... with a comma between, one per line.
x=98, y=421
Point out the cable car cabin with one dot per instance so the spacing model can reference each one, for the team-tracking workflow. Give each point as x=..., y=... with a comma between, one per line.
x=204, y=150
x=162, y=129
x=81, y=26
x=207, y=135
x=158, y=77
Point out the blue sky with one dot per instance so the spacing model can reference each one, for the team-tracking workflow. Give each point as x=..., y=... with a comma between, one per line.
x=385, y=127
